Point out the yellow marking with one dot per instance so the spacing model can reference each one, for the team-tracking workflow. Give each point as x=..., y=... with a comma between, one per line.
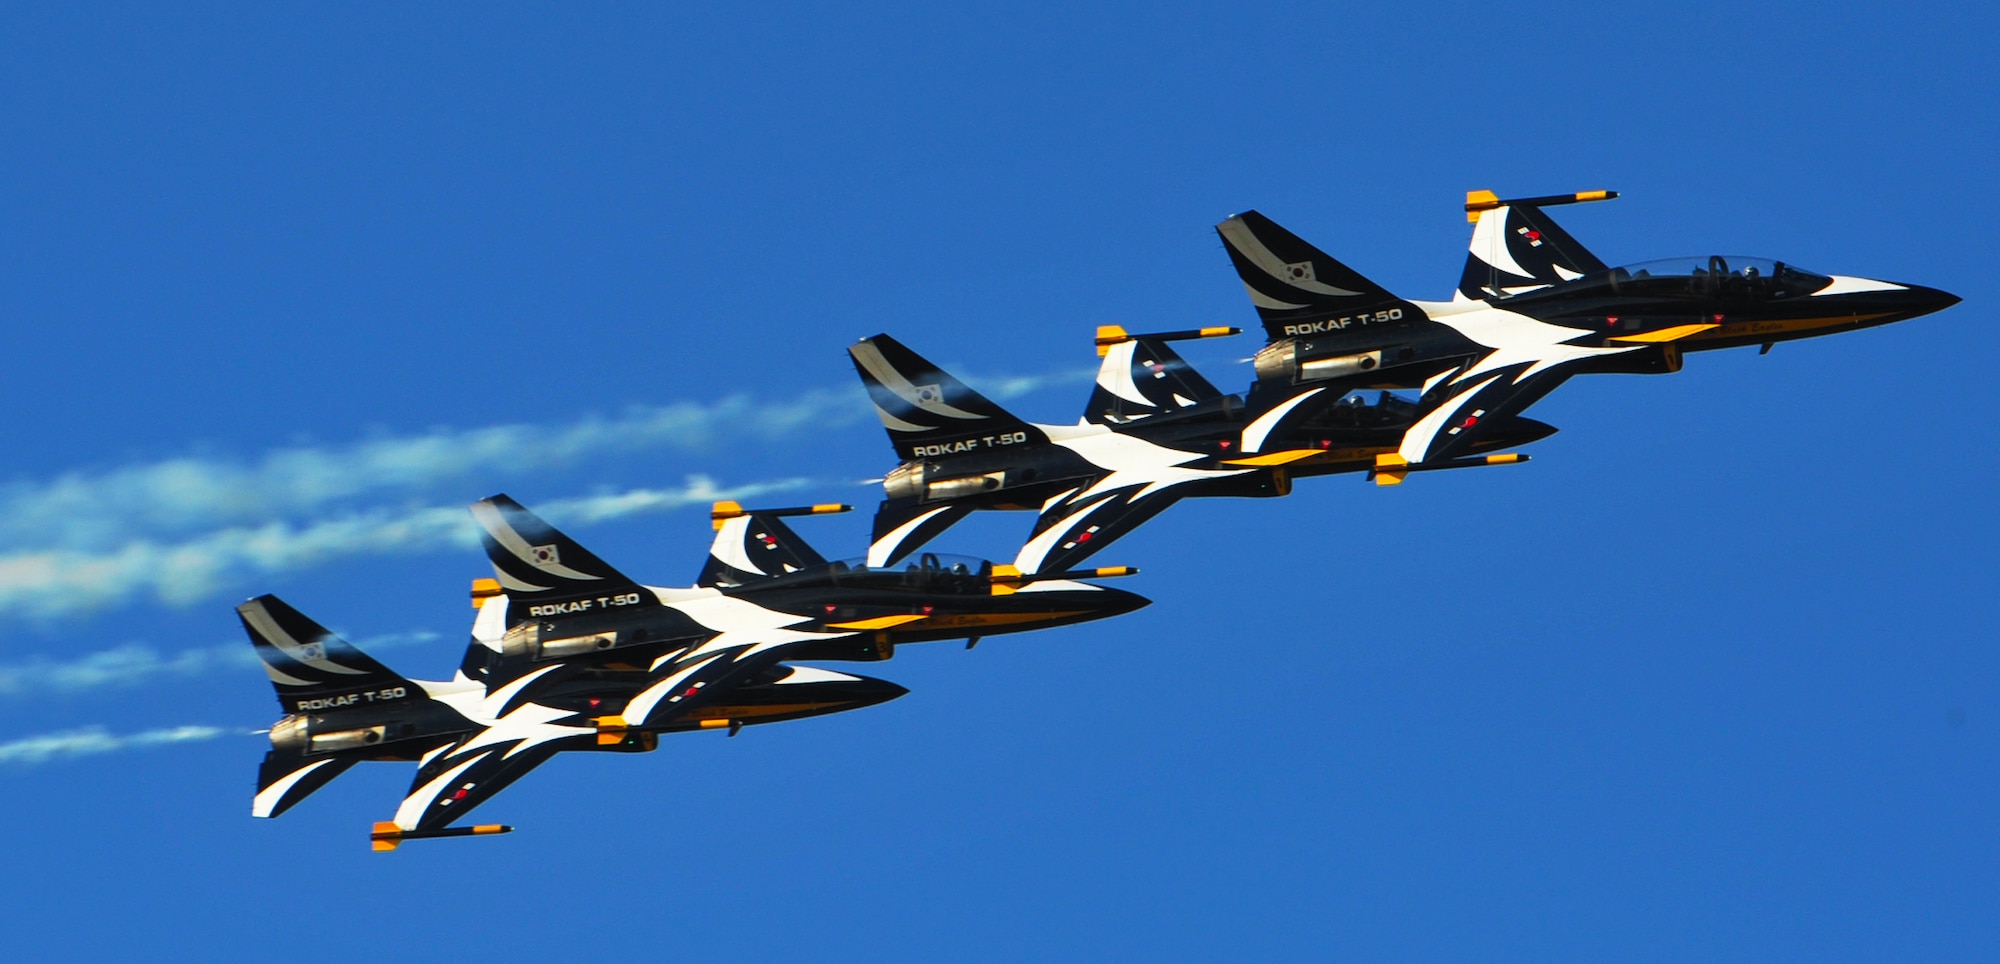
x=1737, y=328
x=610, y=730
x=1391, y=469
x=1107, y=572
x=827, y=508
x=1592, y=195
x=486, y=828
x=1222, y=332
x=484, y=589
x=724, y=510
x=386, y=837
x=1676, y=333
x=878, y=622
x=1508, y=458
x=1276, y=458
x=714, y=724
x=1108, y=335
x=1477, y=201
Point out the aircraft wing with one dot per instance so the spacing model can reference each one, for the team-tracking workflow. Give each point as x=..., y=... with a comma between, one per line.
x=1073, y=526
x=1466, y=409
x=452, y=781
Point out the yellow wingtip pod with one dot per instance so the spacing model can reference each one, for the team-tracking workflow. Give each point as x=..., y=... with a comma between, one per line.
x=1108, y=335
x=1285, y=457
x=1106, y=572
x=724, y=511
x=1391, y=469
x=484, y=589
x=1477, y=202
x=828, y=508
x=1508, y=458
x=385, y=837
x=1596, y=195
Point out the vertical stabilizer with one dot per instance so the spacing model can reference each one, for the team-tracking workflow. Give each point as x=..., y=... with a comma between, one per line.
x=1299, y=289
x=925, y=410
x=537, y=565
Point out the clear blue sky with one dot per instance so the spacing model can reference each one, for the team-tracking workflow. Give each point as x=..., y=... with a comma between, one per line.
x=1713, y=677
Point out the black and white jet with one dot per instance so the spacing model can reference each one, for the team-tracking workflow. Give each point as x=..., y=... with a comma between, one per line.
x=568, y=654
x=1533, y=308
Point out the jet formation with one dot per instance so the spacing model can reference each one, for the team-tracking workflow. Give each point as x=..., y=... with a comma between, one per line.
x=569, y=654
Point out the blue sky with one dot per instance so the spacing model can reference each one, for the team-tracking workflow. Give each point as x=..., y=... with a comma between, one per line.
x=1713, y=677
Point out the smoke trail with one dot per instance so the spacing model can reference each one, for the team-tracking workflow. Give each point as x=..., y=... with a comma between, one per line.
x=68, y=744
x=54, y=583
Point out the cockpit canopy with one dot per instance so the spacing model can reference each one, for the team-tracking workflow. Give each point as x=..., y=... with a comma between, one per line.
x=1726, y=276
x=928, y=572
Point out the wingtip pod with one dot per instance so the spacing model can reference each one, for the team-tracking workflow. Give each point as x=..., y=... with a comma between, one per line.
x=1109, y=335
x=726, y=510
x=1392, y=469
x=389, y=835
x=1479, y=202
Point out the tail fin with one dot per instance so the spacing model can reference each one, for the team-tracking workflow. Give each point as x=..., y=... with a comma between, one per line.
x=926, y=411
x=1516, y=247
x=1141, y=376
x=537, y=565
x=1297, y=288
x=753, y=544
x=309, y=664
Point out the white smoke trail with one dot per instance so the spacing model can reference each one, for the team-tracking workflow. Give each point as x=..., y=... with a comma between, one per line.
x=100, y=511
x=135, y=663
x=62, y=582
x=67, y=744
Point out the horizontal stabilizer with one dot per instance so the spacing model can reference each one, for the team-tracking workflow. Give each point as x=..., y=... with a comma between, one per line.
x=289, y=777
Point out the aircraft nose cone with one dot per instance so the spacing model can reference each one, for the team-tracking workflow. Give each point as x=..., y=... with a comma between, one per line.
x=1924, y=300
x=1117, y=602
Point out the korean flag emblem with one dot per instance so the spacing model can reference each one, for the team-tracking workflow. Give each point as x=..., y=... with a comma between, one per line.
x=929, y=394
x=544, y=555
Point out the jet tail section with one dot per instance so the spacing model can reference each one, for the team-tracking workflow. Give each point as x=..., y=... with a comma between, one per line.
x=1141, y=375
x=1515, y=246
x=753, y=544
x=926, y=411
x=1299, y=289
x=309, y=665
x=537, y=566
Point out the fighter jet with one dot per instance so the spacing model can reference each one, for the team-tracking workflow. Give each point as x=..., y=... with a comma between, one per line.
x=343, y=708
x=568, y=653
x=1533, y=308
x=1129, y=458
x=1154, y=431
